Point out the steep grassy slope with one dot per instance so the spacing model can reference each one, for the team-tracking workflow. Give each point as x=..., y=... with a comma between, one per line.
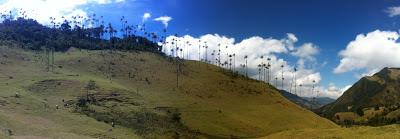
x=207, y=103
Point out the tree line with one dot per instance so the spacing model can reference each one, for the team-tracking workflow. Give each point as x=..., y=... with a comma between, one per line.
x=83, y=33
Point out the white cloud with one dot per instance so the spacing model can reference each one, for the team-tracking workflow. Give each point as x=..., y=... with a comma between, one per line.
x=291, y=40
x=307, y=51
x=254, y=48
x=393, y=11
x=332, y=91
x=164, y=20
x=41, y=10
x=146, y=16
x=370, y=53
x=104, y=1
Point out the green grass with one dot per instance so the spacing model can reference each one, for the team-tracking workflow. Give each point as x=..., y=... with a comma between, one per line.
x=211, y=103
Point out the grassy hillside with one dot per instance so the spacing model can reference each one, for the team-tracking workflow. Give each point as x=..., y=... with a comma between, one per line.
x=207, y=103
x=372, y=97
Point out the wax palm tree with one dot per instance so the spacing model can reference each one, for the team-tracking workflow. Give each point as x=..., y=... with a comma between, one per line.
x=219, y=58
x=294, y=80
x=177, y=71
x=243, y=66
x=262, y=63
x=282, y=76
x=234, y=60
x=269, y=68
x=312, y=93
x=230, y=62
x=219, y=54
x=172, y=52
x=182, y=54
x=206, y=51
x=300, y=85
x=177, y=52
x=212, y=55
x=165, y=34
x=188, y=51
x=245, y=58
x=264, y=67
x=199, y=51
x=313, y=87
x=52, y=48
x=259, y=71
x=111, y=31
x=176, y=43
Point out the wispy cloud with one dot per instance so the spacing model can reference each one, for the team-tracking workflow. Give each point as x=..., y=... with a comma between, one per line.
x=164, y=20
x=393, y=11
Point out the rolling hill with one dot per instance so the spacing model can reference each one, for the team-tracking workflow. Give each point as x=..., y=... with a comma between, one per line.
x=137, y=91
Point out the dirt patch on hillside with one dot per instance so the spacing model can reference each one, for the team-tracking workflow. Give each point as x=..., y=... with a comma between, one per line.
x=54, y=86
x=126, y=109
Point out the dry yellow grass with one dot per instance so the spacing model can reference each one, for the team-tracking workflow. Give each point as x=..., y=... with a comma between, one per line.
x=362, y=132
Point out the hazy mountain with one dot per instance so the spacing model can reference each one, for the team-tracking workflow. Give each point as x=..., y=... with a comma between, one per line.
x=321, y=100
x=307, y=102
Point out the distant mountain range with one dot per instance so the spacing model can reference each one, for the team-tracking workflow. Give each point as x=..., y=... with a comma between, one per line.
x=307, y=102
x=372, y=100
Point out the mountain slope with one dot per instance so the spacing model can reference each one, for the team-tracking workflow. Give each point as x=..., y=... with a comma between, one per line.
x=141, y=98
x=380, y=90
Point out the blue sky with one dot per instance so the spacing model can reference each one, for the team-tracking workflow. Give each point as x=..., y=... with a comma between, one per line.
x=329, y=25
